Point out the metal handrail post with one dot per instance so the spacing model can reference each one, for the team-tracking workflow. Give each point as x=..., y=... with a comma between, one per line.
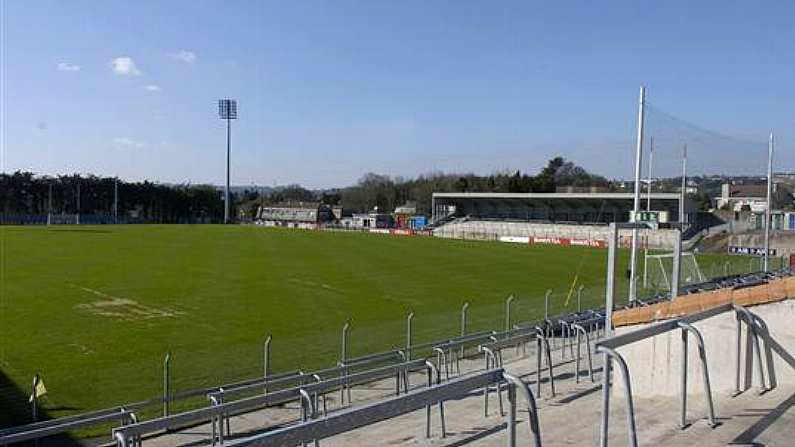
x=464, y=310
x=433, y=371
x=550, y=328
x=702, y=353
x=581, y=330
x=683, y=381
x=738, y=356
x=343, y=358
x=542, y=349
x=564, y=335
x=166, y=384
x=752, y=344
x=496, y=362
x=517, y=384
x=441, y=359
x=508, y=302
x=308, y=410
x=409, y=319
x=622, y=366
x=266, y=360
x=762, y=332
x=511, y=416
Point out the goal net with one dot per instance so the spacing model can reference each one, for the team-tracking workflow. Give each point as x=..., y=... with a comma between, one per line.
x=658, y=270
x=63, y=219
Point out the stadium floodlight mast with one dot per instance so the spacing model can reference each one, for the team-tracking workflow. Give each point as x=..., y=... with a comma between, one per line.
x=227, y=110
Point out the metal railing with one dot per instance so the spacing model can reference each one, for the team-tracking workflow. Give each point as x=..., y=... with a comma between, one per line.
x=66, y=424
x=756, y=329
x=454, y=348
x=307, y=394
x=313, y=430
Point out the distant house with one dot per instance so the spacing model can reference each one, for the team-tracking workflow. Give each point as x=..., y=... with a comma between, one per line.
x=736, y=197
x=306, y=215
x=371, y=220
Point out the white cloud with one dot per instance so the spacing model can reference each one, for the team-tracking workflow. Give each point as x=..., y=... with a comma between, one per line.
x=125, y=66
x=128, y=143
x=189, y=57
x=152, y=88
x=66, y=66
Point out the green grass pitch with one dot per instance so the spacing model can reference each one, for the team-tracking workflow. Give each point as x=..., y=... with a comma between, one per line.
x=95, y=309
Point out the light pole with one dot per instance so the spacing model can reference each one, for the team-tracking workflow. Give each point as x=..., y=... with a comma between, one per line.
x=227, y=110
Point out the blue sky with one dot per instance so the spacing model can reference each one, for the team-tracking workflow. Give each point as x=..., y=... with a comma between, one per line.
x=330, y=90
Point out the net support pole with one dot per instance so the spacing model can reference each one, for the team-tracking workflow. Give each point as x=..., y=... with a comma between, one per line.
x=677, y=263
x=648, y=181
x=682, y=214
x=610, y=290
x=633, y=287
x=768, y=209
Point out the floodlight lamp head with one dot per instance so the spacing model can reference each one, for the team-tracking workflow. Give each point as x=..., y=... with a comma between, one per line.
x=227, y=109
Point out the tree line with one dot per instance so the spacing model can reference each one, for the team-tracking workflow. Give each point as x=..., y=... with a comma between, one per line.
x=386, y=193
x=24, y=193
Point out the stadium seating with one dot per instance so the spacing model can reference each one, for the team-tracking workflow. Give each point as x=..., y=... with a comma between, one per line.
x=464, y=228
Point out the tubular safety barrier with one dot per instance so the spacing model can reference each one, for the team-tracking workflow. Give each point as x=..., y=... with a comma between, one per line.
x=132, y=434
x=351, y=419
x=756, y=329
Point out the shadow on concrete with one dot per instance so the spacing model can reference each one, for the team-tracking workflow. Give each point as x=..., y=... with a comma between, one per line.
x=15, y=410
x=749, y=436
x=479, y=434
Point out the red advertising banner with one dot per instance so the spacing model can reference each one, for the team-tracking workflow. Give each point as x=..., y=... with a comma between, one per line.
x=401, y=232
x=596, y=243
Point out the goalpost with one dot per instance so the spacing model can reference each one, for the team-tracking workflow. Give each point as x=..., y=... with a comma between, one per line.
x=657, y=268
x=63, y=219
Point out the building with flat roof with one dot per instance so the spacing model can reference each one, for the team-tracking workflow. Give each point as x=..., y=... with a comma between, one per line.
x=561, y=207
x=306, y=215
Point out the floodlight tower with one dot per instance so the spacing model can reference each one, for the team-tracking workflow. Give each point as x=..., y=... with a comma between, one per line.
x=227, y=110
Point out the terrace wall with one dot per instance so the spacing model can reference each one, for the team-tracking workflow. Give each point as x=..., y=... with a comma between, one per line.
x=494, y=230
x=655, y=363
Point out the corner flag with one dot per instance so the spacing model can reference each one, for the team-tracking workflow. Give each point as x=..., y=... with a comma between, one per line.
x=38, y=389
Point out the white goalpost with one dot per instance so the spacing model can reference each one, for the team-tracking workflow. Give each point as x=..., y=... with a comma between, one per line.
x=63, y=219
x=657, y=268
